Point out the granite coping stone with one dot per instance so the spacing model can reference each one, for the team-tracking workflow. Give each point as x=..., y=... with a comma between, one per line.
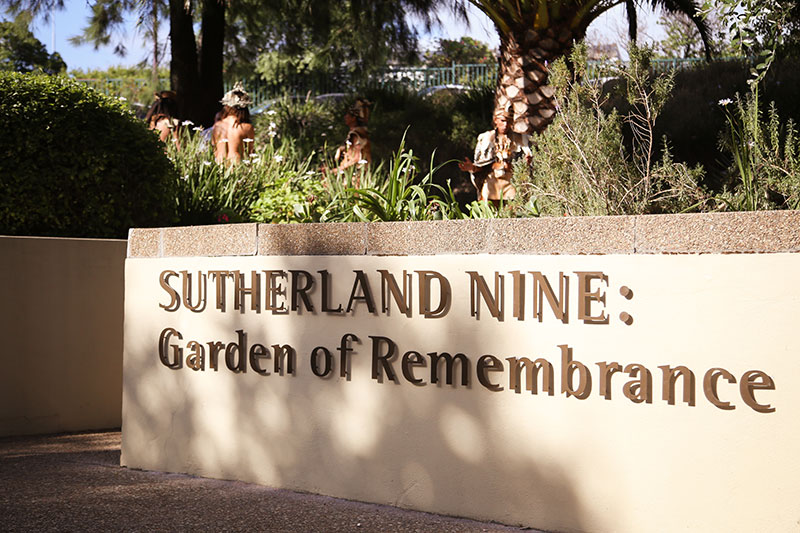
x=751, y=232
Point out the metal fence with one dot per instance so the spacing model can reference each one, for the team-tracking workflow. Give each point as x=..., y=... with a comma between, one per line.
x=414, y=78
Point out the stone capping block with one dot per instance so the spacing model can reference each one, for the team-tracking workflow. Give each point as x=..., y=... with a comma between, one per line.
x=752, y=232
x=312, y=239
x=562, y=235
x=427, y=238
x=714, y=233
x=193, y=241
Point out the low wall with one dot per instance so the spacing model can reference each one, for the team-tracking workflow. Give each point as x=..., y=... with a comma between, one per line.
x=615, y=374
x=61, y=328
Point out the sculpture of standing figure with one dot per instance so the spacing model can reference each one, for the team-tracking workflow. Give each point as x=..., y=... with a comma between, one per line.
x=356, y=149
x=491, y=171
x=233, y=133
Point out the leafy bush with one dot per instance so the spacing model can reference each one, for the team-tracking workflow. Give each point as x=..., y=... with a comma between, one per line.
x=581, y=165
x=76, y=163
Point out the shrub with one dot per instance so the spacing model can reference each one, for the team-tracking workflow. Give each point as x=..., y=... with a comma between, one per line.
x=581, y=165
x=76, y=163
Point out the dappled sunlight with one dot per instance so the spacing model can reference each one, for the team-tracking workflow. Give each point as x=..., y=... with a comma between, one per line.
x=463, y=434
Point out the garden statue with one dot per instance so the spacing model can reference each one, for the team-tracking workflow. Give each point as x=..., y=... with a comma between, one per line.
x=491, y=172
x=233, y=133
x=163, y=115
x=356, y=150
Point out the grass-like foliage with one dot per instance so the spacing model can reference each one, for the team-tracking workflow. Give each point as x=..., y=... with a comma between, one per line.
x=76, y=163
x=766, y=157
x=582, y=165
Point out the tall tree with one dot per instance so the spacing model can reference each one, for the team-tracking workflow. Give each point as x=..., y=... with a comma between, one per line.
x=21, y=51
x=535, y=32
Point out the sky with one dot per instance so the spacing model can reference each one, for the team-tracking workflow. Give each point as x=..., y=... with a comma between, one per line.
x=64, y=24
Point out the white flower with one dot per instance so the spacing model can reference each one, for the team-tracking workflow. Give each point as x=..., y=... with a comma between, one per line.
x=246, y=161
x=349, y=144
x=247, y=140
x=207, y=163
x=725, y=101
x=174, y=140
x=123, y=99
x=330, y=127
x=278, y=158
x=272, y=125
x=198, y=128
x=271, y=112
x=363, y=162
x=272, y=133
x=185, y=178
x=187, y=123
x=310, y=173
x=324, y=134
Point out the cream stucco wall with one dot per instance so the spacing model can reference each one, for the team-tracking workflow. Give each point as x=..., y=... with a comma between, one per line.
x=61, y=331
x=554, y=462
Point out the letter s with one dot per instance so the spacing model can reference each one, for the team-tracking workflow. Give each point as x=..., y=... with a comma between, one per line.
x=163, y=279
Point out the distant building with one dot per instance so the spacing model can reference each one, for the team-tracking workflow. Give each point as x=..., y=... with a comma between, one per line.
x=603, y=51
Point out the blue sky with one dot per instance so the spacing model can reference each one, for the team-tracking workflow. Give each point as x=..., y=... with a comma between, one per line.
x=70, y=21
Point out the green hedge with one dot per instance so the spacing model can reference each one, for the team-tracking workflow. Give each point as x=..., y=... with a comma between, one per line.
x=76, y=163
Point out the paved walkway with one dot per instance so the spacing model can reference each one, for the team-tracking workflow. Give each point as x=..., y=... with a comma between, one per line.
x=74, y=483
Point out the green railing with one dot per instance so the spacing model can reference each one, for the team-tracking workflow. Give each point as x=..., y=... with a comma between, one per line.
x=140, y=91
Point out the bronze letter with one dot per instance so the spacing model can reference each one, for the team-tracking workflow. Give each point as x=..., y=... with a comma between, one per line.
x=187, y=291
x=489, y=363
x=641, y=389
x=748, y=383
x=478, y=289
x=425, y=277
x=258, y=352
x=284, y=352
x=531, y=374
x=221, y=277
x=568, y=366
x=274, y=289
x=362, y=281
x=710, y=387
x=383, y=360
x=668, y=384
x=585, y=298
x=401, y=299
x=606, y=371
x=450, y=362
x=164, y=346
x=325, y=290
x=299, y=291
x=196, y=359
x=326, y=370
x=410, y=360
x=543, y=290
x=241, y=349
x=175, y=301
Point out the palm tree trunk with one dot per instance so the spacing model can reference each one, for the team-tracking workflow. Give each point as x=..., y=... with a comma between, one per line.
x=522, y=87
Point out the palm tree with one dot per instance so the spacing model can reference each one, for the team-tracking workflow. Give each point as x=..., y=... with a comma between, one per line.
x=533, y=33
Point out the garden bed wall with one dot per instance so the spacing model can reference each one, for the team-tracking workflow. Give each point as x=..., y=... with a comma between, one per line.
x=625, y=374
x=61, y=329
